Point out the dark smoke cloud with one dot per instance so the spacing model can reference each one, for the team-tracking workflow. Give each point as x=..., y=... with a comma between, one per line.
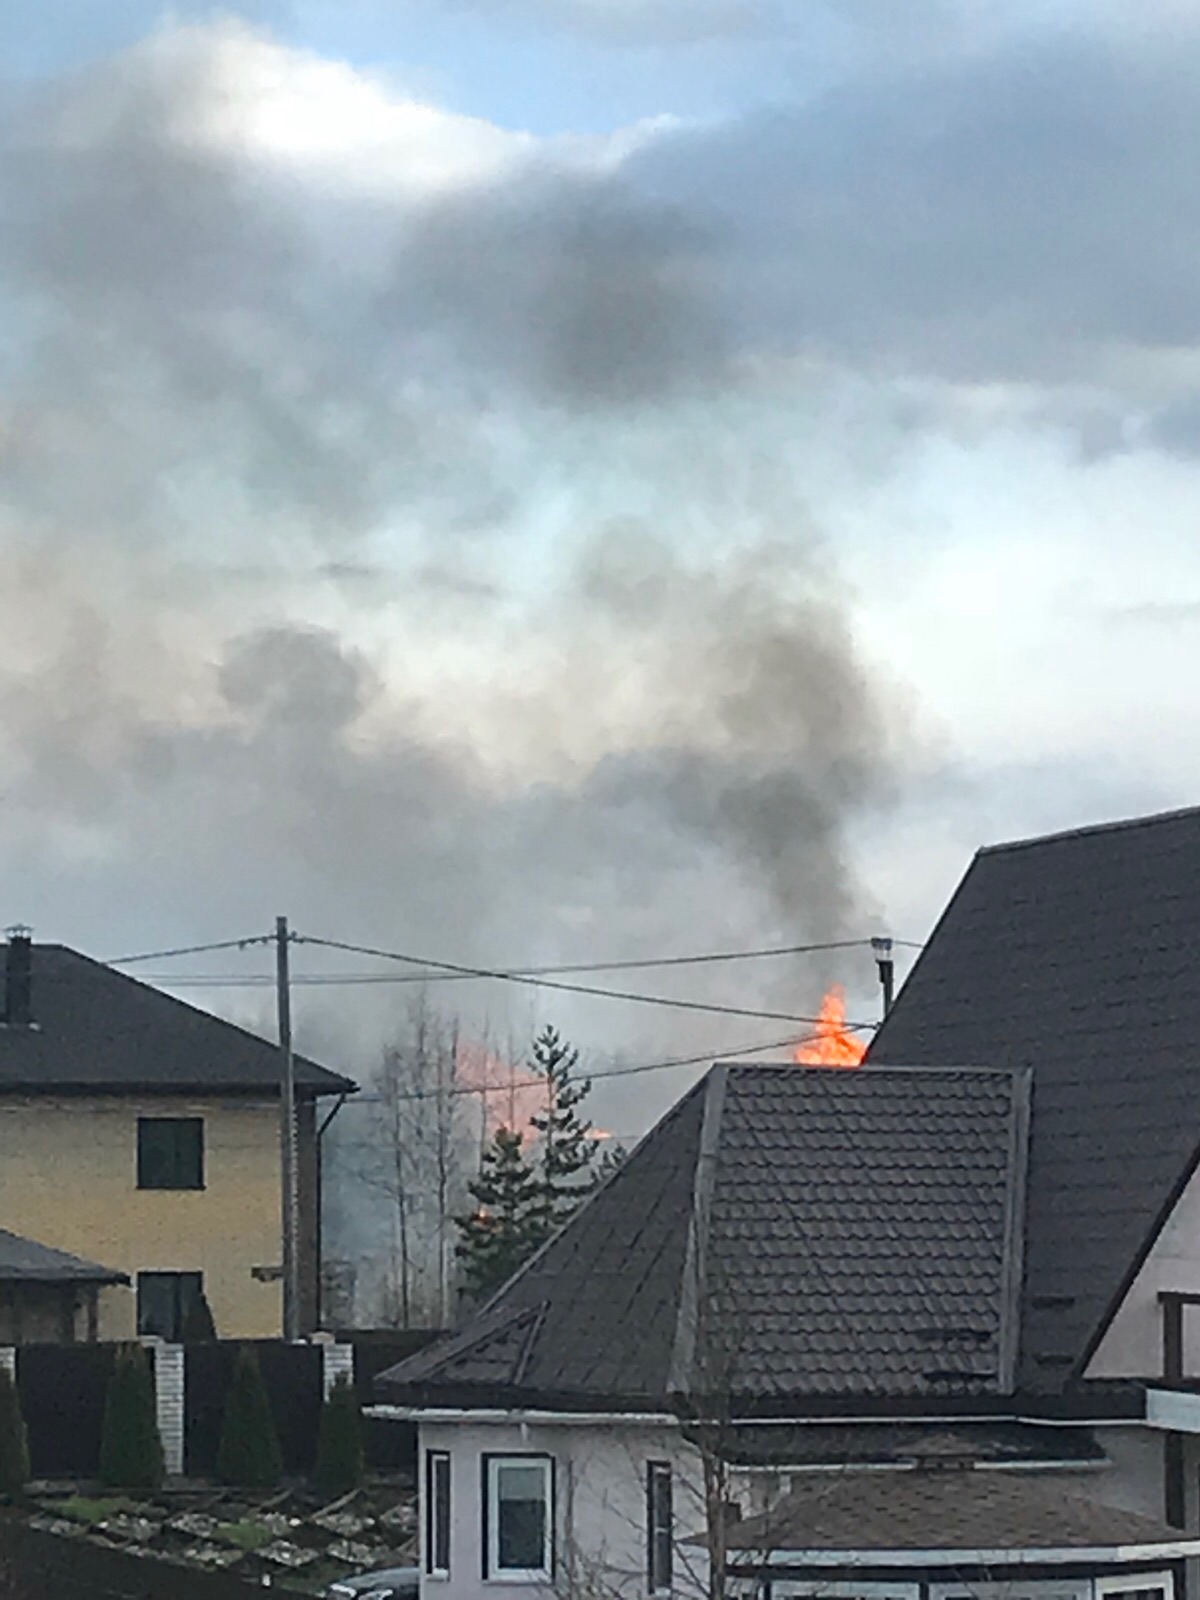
x=568, y=287
x=305, y=605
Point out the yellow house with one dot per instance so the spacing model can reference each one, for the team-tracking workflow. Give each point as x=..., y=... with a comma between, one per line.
x=141, y=1132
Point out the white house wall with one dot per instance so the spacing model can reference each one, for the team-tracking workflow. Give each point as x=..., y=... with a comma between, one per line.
x=1132, y=1346
x=600, y=1475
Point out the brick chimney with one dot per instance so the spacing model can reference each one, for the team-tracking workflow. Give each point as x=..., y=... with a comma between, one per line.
x=18, y=978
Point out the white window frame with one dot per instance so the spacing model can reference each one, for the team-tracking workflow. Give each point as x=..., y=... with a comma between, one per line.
x=433, y=1458
x=656, y=1470
x=1125, y=1582
x=1017, y=1588
x=495, y=1572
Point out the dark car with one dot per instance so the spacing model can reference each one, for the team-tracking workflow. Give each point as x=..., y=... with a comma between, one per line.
x=390, y=1583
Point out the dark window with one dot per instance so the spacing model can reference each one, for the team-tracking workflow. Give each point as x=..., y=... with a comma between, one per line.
x=170, y=1153
x=165, y=1300
x=437, y=1513
x=519, y=1516
x=660, y=1527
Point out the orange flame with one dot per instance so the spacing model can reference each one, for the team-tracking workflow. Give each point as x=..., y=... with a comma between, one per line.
x=509, y=1096
x=833, y=1046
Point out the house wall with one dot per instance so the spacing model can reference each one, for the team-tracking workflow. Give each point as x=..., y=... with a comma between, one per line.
x=68, y=1178
x=600, y=1475
x=601, y=1510
x=1132, y=1346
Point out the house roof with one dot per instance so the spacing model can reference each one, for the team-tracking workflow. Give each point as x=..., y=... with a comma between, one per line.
x=26, y=1261
x=1074, y=954
x=858, y=1513
x=784, y=1230
x=98, y=1030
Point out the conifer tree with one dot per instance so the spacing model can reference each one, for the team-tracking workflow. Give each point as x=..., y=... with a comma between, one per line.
x=131, y=1454
x=199, y=1326
x=340, y=1463
x=14, y=1439
x=503, y=1228
x=566, y=1145
x=249, y=1454
x=612, y=1158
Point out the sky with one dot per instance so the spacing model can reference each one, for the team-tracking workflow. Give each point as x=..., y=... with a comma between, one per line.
x=539, y=481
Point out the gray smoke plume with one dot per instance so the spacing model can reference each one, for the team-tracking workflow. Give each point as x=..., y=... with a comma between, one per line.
x=394, y=561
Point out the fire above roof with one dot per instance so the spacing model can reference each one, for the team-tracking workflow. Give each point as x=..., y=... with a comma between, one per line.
x=783, y=1231
x=1074, y=954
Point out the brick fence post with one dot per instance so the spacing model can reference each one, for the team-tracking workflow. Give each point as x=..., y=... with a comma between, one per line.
x=8, y=1359
x=337, y=1361
x=169, y=1374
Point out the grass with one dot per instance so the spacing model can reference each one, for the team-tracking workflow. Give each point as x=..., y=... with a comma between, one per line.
x=247, y=1536
x=79, y=1508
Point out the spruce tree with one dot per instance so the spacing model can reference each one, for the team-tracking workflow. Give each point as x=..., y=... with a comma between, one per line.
x=198, y=1325
x=503, y=1228
x=340, y=1463
x=566, y=1145
x=249, y=1455
x=131, y=1454
x=14, y=1439
x=613, y=1157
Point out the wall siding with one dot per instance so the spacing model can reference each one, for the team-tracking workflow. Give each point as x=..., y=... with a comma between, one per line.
x=1132, y=1346
x=601, y=1512
x=68, y=1178
x=600, y=1473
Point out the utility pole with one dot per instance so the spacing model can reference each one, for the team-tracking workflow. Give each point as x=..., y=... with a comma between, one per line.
x=288, y=1164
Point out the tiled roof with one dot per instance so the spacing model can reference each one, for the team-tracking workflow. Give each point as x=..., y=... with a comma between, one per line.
x=1074, y=955
x=98, y=1029
x=972, y=1510
x=783, y=1231
x=26, y=1261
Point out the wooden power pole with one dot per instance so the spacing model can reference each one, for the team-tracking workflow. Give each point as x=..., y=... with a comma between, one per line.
x=288, y=1162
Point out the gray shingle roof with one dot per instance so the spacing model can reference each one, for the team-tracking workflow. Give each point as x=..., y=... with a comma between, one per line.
x=859, y=1512
x=101, y=1030
x=26, y=1261
x=1074, y=954
x=840, y=1232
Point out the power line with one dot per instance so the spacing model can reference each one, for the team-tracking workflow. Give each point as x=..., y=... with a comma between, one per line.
x=213, y=980
x=483, y=1090
x=191, y=950
x=569, y=988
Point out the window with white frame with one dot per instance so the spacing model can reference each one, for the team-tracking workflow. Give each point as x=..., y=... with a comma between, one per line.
x=1014, y=1589
x=518, y=1516
x=437, y=1513
x=660, y=1527
x=816, y=1589
x=1137, y=1586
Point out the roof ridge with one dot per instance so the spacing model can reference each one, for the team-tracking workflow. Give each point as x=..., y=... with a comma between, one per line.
x=535, y=1260
x=692, y=1287
x=1086, y=830
x=876, y=1069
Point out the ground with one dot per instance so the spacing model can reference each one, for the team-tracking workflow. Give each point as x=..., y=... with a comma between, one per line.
x=300, y=1541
